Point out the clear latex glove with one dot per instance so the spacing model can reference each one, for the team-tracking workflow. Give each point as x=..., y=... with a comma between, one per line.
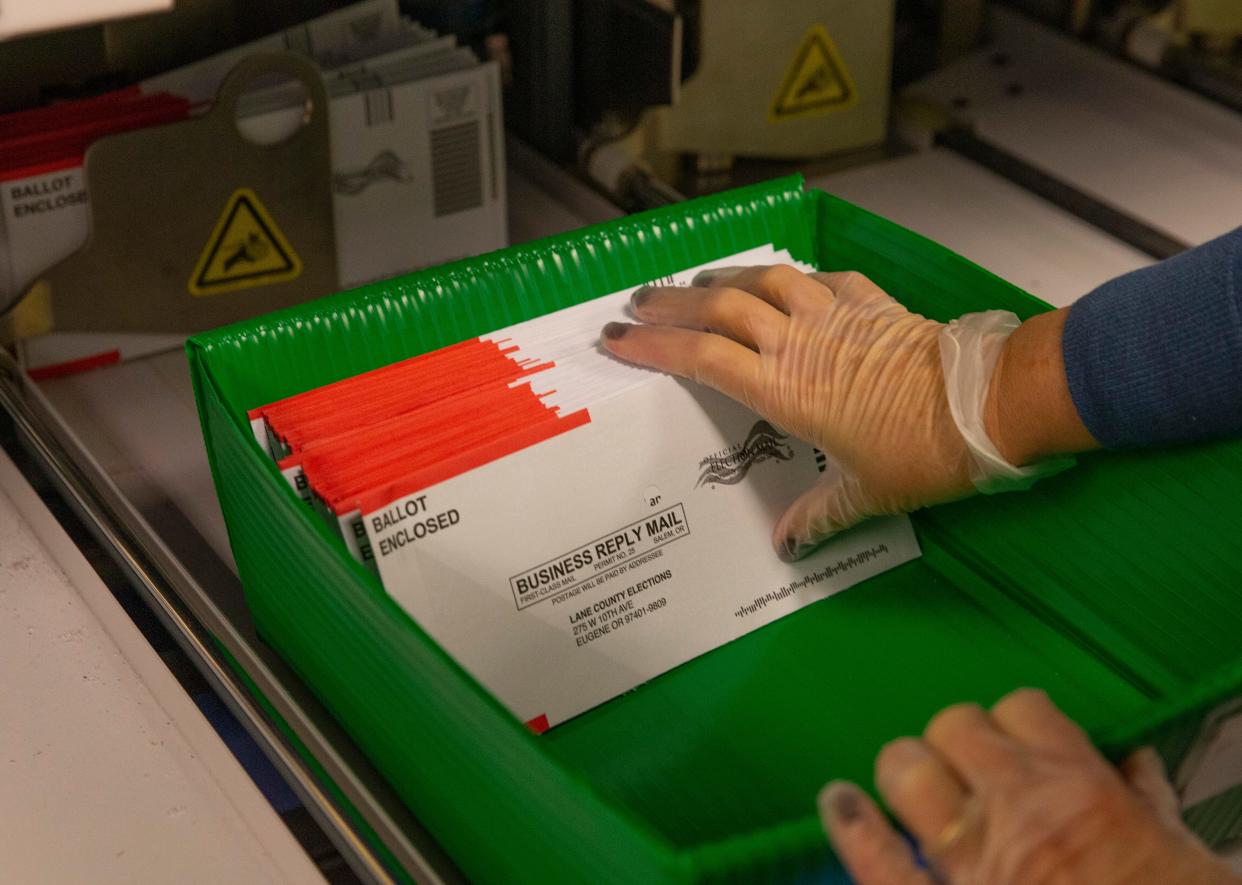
x=836, y=361
x=1012, y=796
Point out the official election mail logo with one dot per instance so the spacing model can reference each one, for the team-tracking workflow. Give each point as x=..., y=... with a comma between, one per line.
x=453, y=103
x=729, y=466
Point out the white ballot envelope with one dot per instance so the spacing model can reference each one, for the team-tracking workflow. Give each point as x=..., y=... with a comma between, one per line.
x=580, y=567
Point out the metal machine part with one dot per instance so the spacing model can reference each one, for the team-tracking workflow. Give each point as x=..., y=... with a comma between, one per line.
x=609, y=35
x=538, y=96
x=810, y=81
x=1191, y=42
x=664, y=90
x=49, y=50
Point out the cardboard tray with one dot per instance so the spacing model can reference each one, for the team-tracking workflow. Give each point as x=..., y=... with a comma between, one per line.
x=1114, y=586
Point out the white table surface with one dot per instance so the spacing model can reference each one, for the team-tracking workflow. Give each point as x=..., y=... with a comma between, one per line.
x=110, y=773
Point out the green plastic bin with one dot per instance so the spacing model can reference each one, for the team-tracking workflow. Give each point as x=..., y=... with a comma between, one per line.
x=1114, y=586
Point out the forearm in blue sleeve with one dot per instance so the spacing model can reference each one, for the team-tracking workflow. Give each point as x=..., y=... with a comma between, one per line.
x=1155, y=356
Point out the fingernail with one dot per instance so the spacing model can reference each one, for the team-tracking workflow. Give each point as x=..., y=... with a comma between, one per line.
x=895, y=761
x=840, y=804
x=789, y=550
x=640, y=296
x=707, y=277
x=794, y=548
x=613, y=331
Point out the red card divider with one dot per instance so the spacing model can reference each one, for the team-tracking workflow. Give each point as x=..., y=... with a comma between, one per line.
x=395, y=430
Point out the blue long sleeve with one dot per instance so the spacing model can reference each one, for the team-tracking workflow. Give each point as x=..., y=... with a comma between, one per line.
x=1155, y=356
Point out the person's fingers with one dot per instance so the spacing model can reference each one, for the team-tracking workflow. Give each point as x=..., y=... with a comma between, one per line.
x=1029, y=715
x=723, y=310
x=787, y=289
x=832, y=279
x=700, y=356
x=826, y=280
x=1144, y=771
x=967, y=737
x=835, y=503
x=718, y=276
x=864, y=840
x=920, y=789
x=850, y=285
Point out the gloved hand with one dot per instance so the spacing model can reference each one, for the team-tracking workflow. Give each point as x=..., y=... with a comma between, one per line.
x=1017, y=795
x=834, y=360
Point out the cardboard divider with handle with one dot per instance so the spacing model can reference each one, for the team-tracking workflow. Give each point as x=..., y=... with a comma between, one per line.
x=193, y=225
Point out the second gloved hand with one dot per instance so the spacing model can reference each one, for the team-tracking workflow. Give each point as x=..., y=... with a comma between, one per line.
x=832, y=359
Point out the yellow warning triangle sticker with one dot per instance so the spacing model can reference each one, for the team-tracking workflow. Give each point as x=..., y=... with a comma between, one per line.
x=816, y=81
x=245, y=249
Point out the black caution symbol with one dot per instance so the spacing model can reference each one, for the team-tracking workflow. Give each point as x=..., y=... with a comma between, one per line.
x=245, y=249
x=816, y=81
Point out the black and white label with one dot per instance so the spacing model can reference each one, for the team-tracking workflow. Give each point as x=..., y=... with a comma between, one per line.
x=592, y=564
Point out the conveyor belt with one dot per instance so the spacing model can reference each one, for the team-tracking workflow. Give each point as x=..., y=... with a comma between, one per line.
x=1162, y=155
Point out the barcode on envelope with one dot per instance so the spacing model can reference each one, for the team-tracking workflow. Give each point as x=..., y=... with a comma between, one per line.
x=456, y=168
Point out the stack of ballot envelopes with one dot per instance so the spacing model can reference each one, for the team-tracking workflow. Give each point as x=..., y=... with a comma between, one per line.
x=564, y=524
